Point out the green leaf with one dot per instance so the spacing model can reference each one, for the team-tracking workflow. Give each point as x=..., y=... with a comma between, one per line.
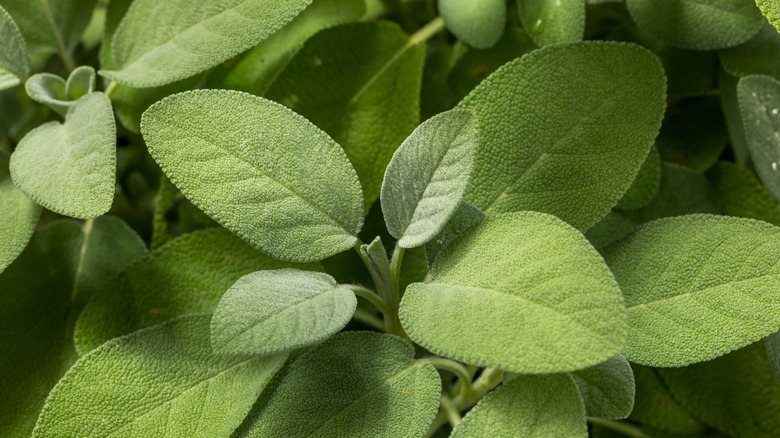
x=553, y=21
x=70, y=167
x=730, y=105
x=771, y=10
x=464, y=217
x=645, y=185
x=269, y=312
x=655, y=406
x=368, y=110
x=59, y=95
x=353, y=385
x=693, y=133
x=697, y=25
x=772, y=344
x=565, y=129
x=505, y=295
x=479, y=23
x=528, y=406
x=612, y=227
x=193, y=271
x=697, y=287
x=742, y=195
x=425, y=181
x=759, y=104
x=162, y=380
x=607, y=388
x=14, y=61
x=81, y=81
x=162, y=42
x=758, y=56
x=115, y=11
x=41, y=294
x=736, y=394
x=17, y=217
x=259, y=169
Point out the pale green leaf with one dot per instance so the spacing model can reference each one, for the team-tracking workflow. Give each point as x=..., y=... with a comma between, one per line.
x=697, y=287
x=58, y=94
x=696, y=24
x=269, y=312
x=41, y=294
x=115, y=11
x=759, y=104
x=655, y=406
x=164, y=380
x=553, y=21
x=759, y=56
x=741, y=194
x=70, y=167
x=607, y=388
x=193, y=271
x=529, y=407
x=259, y=169
x=645, y=185
x=464, y=217
x=356, y=384
x=479, y=23
x=771, y=10
x=17, y=217
x=565, y=129
x=523, y=292
x=162, y=42
x=14, y=60
x=368, y=110
x=81, y=81
x=427, y=176
x=772, y=344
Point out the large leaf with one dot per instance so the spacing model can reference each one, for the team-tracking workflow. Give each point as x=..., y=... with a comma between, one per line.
x=771, y=10
x=14, y=61
x=17, y=217
x=697, y=287
x=553, y=21
x=607, y=388
x=759, y=104
x=528, y=406
x=41, y=294
x=464, y=217
x=187, y=275
x=565, y=129
x=70, y=167
x=259, y=169
x=269, y=312
x=479, y=23
x=162, y=380
x=695, y=24
x=356, y=384
x=425, y=181
x=645, y=185
x=523, y=292
x=370, y=108
x=162, y=42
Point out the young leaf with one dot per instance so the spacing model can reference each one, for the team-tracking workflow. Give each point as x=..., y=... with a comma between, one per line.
x=81, y=81
x=425, y=181
x=692, y=24
x=607, y=388
x=269, y=312
x=193, y=271
x=354, y=384
x=59, y=95
x=565, y=129
x=70, y=168
x=528, y=406
x=741, y=194
x=479, y=23
x=645, y=185
x=41, y=294
x=259, y=169
x=464, y=218
x=14, y=61
x=505, y=295
x=697, y=287
x=771, y=10
x=655, y=406
x=162, y=42
x=164, y=379
x=553, y=21
x=759, y=56
x=759, y=104
x=17, y=217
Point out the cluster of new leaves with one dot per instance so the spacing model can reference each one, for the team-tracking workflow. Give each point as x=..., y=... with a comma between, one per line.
x=571, y=208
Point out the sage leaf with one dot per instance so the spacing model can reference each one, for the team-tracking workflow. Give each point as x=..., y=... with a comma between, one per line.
x=162, y=42
x=571, y=154
x=697, y=287
x=269, y=312
x=259, y=169
x=479, y=23
x=645, y=185
x=427, y=177
x=759, y=104
x=164, y=378
x=772, y=344
x=614, y=226
x=553, y=21
x=81, y=81
x=194, y=271
x=607, y=388
x=759, y=56
x=352, y=385
x=14, y=60
x=741, y=194
x=729, y=103
x=771, y=11
x=655, y=406
x=58, y=94
x=464, y=217
x=17, y=217
x=693, y=134
x=528, y=406
x=505, y=296
x=70, y=167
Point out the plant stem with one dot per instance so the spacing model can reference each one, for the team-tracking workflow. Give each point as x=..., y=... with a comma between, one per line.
x=453, y=416
x=395, y=272
x=619, y=426
x=111, y=89
x=489, y=379
x=368, y=319
x=426, y=32
x=454, y=367
x=371, y=297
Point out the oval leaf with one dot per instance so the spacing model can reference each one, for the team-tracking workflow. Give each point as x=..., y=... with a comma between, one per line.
x=259, y=169
x=759, y=105
x=522, y=292
x=646, y=185
x=553, y=21
x=48, y=89
x=464, y=218
x=479, y=23
x=14, y=61
x=759, y=56
x=17, y=217
x=607, y=388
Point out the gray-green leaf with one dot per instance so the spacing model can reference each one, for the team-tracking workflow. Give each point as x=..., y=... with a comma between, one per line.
x=259, y=169
x=14, y=61
x=759, y=105
x=553, y=21
x=759, y=56
x=427, y=177
x=464, y=218
x=607, y=388
x=479, y=23
x=59, y=95
x=17, y=217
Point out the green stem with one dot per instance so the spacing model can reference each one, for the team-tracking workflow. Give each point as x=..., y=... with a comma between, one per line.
x=395, y=271
x=454, y=367
x=451, y=410
x=371, y=297
x=369, y=319
x=618, y=426
x=489, y=379
x=111, y=89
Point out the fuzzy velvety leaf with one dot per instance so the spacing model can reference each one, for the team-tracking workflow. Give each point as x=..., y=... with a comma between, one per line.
x=741, y=194
x=771, y=10
x=464, y=217
x=759, y=56
x=612, y=227
x=14, y=60
x=17, y=217
x=759, y=104
x=553, y=21
x=479, y=23
x=655, y=406
x=729, y=103
x=58, y=94
x=693, y=133
x=607, y=388
x=645, y=185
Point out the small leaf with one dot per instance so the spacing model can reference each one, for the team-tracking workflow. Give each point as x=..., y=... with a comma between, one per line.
x=528, y=406
x=553, y=21
x=771, y=10
x=14, y=60
x=164, y=379
x=259, y=169
x=697, y=287
x=741, y=194
x=59, y=95
x=354, y=384
x=759, y=104
x=464, y=218
x=655, y=406
x=645, y=185
x=17, y=217
x=505, y=295
x=70, y=168
x=81, y=81
x=162, y=42
x=758, y=56
x=479, y=23
x=425, y=181
x=269, y=312
x=607, y=388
